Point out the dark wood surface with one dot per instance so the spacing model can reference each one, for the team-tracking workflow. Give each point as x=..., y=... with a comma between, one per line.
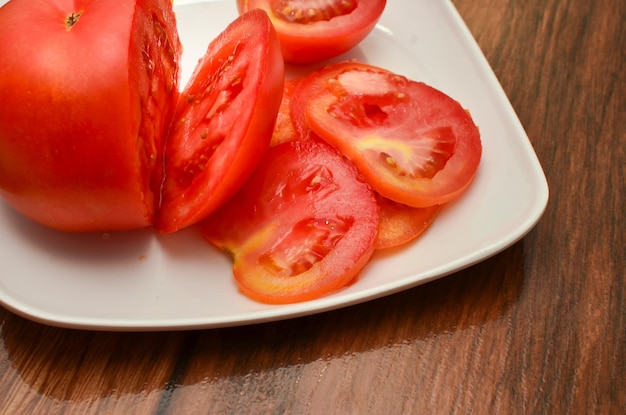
x=537, y=329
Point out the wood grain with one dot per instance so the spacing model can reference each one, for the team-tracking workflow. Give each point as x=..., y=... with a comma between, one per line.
x=537, y=329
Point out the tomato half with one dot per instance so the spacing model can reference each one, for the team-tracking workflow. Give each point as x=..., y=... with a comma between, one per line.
x=413, y=143
x=302, y=227
x=87, y=91
x=400, y=224
x=223, y=122
x=314, y=30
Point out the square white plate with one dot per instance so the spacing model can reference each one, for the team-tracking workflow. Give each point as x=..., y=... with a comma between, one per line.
x=144, y=281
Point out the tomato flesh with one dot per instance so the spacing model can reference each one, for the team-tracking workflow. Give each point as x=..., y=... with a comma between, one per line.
x=414, y=144
x=311, y=86
x=400, y=224
x=284, y=129
x=302, y=227
x=223, y=122
x=314, y=30
x=84, y=109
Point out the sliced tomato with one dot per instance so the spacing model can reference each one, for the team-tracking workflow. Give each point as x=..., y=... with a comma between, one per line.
x=223, y=121
x=284, y=129
x=400, y=224
x=413, y=143
x=310, y=86
x=314, y=30
x=302, y=227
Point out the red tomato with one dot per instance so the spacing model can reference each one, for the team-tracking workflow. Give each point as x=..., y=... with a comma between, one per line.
x=307, y=88
x=87, y=90
x=400, y=223
x=313, y=30
x=284, y=129
x=302, y=227
x=223, y=122
x=413, y=144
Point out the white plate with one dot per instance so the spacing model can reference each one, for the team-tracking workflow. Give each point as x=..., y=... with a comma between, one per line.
x=143, y=281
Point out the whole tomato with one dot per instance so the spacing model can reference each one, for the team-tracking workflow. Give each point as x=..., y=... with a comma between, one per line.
x=87, y=93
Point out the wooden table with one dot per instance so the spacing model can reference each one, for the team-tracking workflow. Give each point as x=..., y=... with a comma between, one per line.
x=537, y=329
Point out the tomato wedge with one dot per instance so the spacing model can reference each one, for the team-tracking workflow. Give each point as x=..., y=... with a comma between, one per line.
x=223, y=121
x=284, y=129
x=413, y=143
x=400, y=224
x=302, y=227
x=314, y=30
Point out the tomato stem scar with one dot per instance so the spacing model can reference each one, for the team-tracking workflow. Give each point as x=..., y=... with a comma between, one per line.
x=72, y=19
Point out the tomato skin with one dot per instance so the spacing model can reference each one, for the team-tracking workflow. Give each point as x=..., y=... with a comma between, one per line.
x=223, y=123
x=308, y=41
x=302, y=227
x=400, y=224
x=86, y=94
x=412, y=143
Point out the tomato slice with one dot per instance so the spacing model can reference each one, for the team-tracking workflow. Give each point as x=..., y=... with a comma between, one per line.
x=314, y=30
x=413, y=143
x=223, y=121
x=400, y=224
x=302, y=227
x=310, y=86
x=284, y=129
